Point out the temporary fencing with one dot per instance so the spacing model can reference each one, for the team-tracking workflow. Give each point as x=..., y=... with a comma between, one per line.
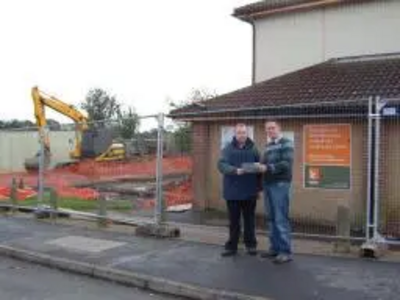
x=344, y=164
x=19, y=146
x=344, y=172
x=126, y=168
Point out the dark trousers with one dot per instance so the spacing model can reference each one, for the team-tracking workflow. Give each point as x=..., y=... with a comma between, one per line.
x=237, y=209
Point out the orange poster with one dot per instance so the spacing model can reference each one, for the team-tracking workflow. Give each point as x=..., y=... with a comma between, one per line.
x=328, y=145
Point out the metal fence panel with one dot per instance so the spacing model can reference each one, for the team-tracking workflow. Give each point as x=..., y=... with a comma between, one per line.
x=17, y=187
x=115, y=175
x=168, y=168
x=387, y=164
x=330, y=164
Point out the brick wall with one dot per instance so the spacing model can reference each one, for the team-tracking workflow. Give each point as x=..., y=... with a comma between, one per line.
x=389, y=173
x=308, y=205
x=200, y=138
x=314, y=206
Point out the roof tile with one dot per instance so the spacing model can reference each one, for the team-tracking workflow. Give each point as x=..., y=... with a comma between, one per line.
x=342, y=79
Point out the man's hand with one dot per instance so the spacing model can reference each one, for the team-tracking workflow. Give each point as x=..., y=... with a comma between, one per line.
x=262, y=168
x=239, y=171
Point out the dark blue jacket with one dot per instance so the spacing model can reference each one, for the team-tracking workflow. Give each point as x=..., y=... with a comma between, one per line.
x=239, y=187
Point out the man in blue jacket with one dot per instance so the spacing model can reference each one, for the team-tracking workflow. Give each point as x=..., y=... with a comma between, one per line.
x=240, y=190
x=277, y=164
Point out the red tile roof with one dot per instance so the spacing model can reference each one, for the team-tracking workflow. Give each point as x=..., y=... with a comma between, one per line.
x=342, y=79
x=270, y=7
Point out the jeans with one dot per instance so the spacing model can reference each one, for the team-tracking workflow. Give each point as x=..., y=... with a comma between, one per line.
x=276, y=203
x=236, y=208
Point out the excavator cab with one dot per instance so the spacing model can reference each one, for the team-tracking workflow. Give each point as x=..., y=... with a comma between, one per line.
x=99, y=144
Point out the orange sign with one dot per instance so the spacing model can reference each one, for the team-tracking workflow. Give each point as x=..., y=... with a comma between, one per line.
x=327, y=145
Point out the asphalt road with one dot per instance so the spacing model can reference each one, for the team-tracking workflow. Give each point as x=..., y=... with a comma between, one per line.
x=24, y=281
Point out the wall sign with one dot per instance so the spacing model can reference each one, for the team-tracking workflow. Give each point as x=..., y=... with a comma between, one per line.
x=327, y=156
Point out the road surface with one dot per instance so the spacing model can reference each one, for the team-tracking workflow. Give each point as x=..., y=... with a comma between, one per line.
x=24, y=281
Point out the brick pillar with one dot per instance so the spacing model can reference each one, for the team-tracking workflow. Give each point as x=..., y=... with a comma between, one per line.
x=200, y=144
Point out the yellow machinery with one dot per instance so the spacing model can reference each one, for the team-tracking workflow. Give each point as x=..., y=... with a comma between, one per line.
x=114, y=151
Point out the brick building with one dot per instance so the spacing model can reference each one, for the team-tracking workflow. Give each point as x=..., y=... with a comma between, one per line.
x=313, y=96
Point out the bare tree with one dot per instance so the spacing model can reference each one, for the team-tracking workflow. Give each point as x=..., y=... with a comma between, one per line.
x=182, y=135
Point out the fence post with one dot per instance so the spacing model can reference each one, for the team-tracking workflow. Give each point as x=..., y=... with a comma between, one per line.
x=42, y=133
x=375, y=245
x=343, y=229
x=102, y=212
x=54, y=204
x=378, y=108
x=370, y=142
x=160, y=216
x=13, y=195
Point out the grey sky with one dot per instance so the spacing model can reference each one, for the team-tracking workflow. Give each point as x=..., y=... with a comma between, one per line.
x=142, y=51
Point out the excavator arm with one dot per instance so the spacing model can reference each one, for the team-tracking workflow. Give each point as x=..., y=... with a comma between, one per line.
x=114, y=151
x=41, y=101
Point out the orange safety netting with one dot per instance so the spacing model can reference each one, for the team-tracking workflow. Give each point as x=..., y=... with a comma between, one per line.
x=21, y=194
x=179, y=194
x=140, y=168
x=174, y=195
x=64, y=180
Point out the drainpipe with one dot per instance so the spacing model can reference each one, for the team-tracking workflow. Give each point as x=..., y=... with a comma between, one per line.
x=253, y=62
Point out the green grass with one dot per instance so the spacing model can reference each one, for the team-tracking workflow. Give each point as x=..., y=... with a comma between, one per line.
x=81, y=205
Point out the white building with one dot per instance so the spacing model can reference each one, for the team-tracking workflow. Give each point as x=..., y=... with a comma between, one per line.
x=16, y=146
x=293, y=34
x=298, y=82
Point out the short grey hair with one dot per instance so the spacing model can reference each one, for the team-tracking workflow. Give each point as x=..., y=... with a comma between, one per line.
x=240, y=125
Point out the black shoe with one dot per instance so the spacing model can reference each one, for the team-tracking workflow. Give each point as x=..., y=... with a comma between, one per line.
x=269, y=254
x=282, y=259
x=251, y=251
x=228, y=253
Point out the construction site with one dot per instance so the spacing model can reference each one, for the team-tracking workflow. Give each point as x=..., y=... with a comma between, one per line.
x=83, y=162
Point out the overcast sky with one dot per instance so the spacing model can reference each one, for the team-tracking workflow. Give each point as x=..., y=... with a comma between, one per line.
x=141, y=51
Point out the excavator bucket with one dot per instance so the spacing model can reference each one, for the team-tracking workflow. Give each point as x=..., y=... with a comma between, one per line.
x=32, y=164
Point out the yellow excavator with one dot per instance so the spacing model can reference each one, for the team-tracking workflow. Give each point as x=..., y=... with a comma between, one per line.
x=90, y=143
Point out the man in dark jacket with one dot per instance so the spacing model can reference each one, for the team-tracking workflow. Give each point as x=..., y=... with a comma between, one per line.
x=277, y=164
x=240, y=189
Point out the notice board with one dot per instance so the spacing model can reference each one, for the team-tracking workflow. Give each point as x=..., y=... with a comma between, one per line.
x=327, y=156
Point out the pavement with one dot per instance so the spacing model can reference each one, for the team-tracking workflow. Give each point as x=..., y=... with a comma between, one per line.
x=195, y=269
x=23, y=281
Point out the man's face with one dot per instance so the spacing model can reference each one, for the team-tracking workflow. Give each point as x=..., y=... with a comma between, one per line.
x=273, y=130
x=241, y=133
